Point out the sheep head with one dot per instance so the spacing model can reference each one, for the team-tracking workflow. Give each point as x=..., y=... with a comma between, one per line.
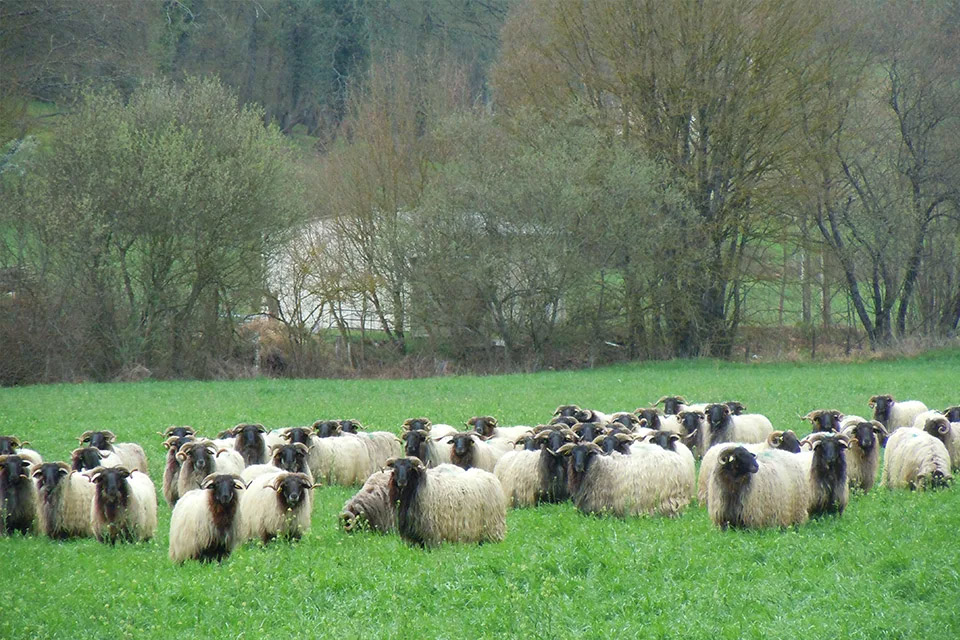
x=49, y=474
x=610, y=442
x=588, y=431
x=175, y=442
x=112, y=487
x=406, y=471
x=484, y=425
x=9, y=445
x=825, y=420
x=938, y=427
x=651, y=415
x=414, y=442
x=85, y=458
x=296, y=435
x=292, y=489
x=717, y=414
x=736, y=407
x=14, y=468
x=99, y=439
x=413, y=424
x=952, y=413
x=627, y=420
x=881, y=407
x=201, y=455
x=327, y=428
x=865, y=435
x=784, y=440
x=664, y=439
x=569, y=421
x=737, y=462
x=580, y=455
x=180, y=432
x=223, y=487
x=671, y=404
x=290, y=457
x=566, y=411
x=350, y=426
x=248, y=433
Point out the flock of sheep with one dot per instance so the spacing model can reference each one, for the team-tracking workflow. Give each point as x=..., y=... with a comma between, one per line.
x=435, y=483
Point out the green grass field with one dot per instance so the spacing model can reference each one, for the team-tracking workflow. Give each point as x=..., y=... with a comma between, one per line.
x=888, y=568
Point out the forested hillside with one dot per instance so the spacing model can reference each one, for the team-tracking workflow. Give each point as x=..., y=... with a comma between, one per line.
x=198, y=188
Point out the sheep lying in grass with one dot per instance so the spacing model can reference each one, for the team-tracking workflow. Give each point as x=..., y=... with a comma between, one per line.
x=65, y=500
x=827, y=472
x=131, y=454
x=18, y=496
x=444, y=504
x=825, y=420
x=205, y=524
x=937, y=425
x=915, y=460
x=277, y=505
x=124, y=505
x=894, y=414
x=370, y=508
x=12, y=446
x=782, y=440
x=863, y=456
x=747, y=490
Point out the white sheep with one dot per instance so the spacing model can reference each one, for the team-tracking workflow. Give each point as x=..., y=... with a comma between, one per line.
x=131, y=454
x=937, y=425
x=446, y=503
x=277, y=505
x=65, y=499
x=12, y=446
x=863, y=456
x=723, y=426
x=381, y=445
x=343, y=460
x=747, y=490
x=915, y=460
x=205, y=524
x=18, y=495
x=783, y=440
x=519, y=476
x=124, y=506
x=894, y=414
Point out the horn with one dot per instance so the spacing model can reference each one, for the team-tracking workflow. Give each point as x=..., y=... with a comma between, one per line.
x=543, y=436
x=207, y=481
x=844, y=441
x=662, y=399
x=593, y=447
x=239, y=484
x=302, y=448
x=85, y=436
x=169, y=442
x=417, y=462
x=674, y=437
x=810, y=416
x=873, y=401
x=623, y=437
x=15, y=442
x=422, y=432
x=565, y=449
x=774, y=438
x=64, y=466
x=878, y=426
x=109, y=435
x=472, y=422
x=389, y=462
x=641, y=423
x=598, y=440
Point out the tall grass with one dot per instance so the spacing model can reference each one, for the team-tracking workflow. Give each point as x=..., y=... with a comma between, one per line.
x=888, y=568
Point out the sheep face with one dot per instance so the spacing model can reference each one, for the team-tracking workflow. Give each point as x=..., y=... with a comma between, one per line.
x=738, y=463
x=407, y=472
x=112, y=490
x=671, y=404
x=179, y=432
x=414, y=443
x=291, y=457
x=86, y=458
x=199, y=455
x=9, y=445
x=952, y=413
x=828, y=452
x=627, y=420
x=349, y=426
x=691, y=422
x=785, y=441
x=566, y=411
x=827, y=420
x=292, y=489
x=736, y=408
x=484, y=425
x=223, y=488
x=717, y=415
x=297, y=435
x=881, y=407
x=461, y=449
x=587, y=415
x=99, y=439
x=664, y=439
x=580, y=456
x=327, y=428
x=652, y=416
x=619, y=442
x=529, y=443
x=250, y=443
x=588, y=431
x=13, y=469
x=414, y=424
x=866, y=435
x=49, y=474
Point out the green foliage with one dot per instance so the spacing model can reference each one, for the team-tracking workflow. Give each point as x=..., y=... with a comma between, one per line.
x=885, y=569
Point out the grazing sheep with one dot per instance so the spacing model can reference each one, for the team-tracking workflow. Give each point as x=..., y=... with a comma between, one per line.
x=917, y=460
x=250, y=443
x=863, y=456
x=65, y=499
x=825, y=420
x=937, y=425
x=124, y=505
x=468, y=450
x=418, y=443
x=89, y=458
x=437, y=505
x=893, y=414
x=370, y=508
x=205, y=524
x=277, y=505
x=650, y=480
x=782, y=440
x=11, y=446
x=18, y=495
x=827, y=472
x=284, y=457
x=724, y=427
x=130, y=453
x=672, y=405
x=747, y=490
x=171, y=469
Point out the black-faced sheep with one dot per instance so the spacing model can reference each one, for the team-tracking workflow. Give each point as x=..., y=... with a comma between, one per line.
x=915, y=460
x=894, y=414
x=863, y=456
x=628, y=421
x=199, y=458
x=468, y=450
x=614, y=441
x=171, y=468
x=180, y=432
x=446, y=504
x=782, y=440
x=937, y=425
x=487, y=427
x=588, y=431
x=285, y=457
x=672, y=405
x=124, y=505
x=736, y=407
x=250, y=443
x=18, y=495
x=693, y=424
x=12, y=446
x=205, y=524
x=370, y=508
x=532, y=476
x=827, y=472
x=725, y=427
x=89, y=458
x=418, y=443
x=652, y=417
x=825, y=420
x=131, y=454
x=65, y=500
x=277, y=505
x=751, y=491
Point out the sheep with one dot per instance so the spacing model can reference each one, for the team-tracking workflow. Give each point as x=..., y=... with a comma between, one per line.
x=468, y=450
x=850, y=419
x=567, y=411
x=418, y=443
x=437, y=431
x=12, y=446
x=65, y=499
x=89, y=458
x=825, y=420
x=381, y=445
x=18, y=495
x=736, y=408
x=863, y=457
x=370, y=508
x=487, y=427
x=747, y=490
x=650, y=480
x=333, y=428
x=131, y=454
x=298, y=435
x=200, y=458
x=276, y=505
x=284, y=457
x=826, y=472
x=250, y=443
x=669, y=441
x=343, y=460
x=552, y=470
x=693, y=424
x=783, y=440
x=591, y=415
x=937, y=425
x=724, y=427
x=672, y=405
x=518, y=473
x=124, y=505
x=588, y=431
x=444, y=504
x=894, y=415
x=915, y=459
x=625, y=419
x=171, y=469
x=205, y=525
x=613, y=441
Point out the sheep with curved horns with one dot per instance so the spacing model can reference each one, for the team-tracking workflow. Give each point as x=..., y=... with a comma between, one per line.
x=277, y=505
x=65, y=500
x=539, y=475
x=672, y=405
x=18, y=496
x=722, y=426
x=863, y=456
x=487, y=427
x=370, y=508
x=650, y=480
x=418, y=443
x=12, y=446
x=89, y=458
x=827, y=472
x=446, y=505
x=205, y=525
x=937, y=425
x=615, y=441
x=131, y=454
x=124, y=505
x=894, y=414
x=915, y=460
x=199, y=458
x=250, y=443
x=736, y=407
x=437, y=431
x=567, y=411
x=171, y=467
x=628, y=421
x=825, y=420
x=783, y=440
x=692, y=424
x=468, y=450
x=747, y=490
x=285, y=457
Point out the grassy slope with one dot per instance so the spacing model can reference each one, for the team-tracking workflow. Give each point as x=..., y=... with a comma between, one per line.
x=887, y=569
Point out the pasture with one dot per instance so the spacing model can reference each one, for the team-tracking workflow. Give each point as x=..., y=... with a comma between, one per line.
x=888, y=568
